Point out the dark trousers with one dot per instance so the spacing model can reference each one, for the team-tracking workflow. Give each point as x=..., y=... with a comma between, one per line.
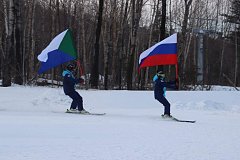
x=77, y=100
x=165, y=103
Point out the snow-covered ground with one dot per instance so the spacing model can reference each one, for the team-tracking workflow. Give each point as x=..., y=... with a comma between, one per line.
x=34, y=126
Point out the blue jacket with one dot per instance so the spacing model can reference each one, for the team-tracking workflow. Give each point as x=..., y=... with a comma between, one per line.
x=69, y=81
x=160, y=86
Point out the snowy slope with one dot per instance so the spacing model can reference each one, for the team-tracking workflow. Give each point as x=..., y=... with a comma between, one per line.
x=34, y=126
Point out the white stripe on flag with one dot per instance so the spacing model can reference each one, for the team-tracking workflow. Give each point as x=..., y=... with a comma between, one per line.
x=54, y=44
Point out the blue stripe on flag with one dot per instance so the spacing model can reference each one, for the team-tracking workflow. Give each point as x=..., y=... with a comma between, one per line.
x=170, y=48
x=55, y=58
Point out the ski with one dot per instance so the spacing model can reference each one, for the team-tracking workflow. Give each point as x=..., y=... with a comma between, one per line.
x=76, y=112
x=180, y=120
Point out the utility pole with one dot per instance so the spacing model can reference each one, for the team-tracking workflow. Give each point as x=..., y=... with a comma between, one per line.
x=200, y=50
x=200, y=56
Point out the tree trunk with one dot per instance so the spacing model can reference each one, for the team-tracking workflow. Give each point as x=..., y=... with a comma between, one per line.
x=163, y=20
x=32, y=50
x=146, y=72
x=2, y=54
x=107, y=50
x=53, y=26
x=136, y=15
x=95, y=67
x=183, y=37
x=163, y=24
x=7, y=61
x=18, y=77
x=121, y=47
x=113, y=40
x=69, y=13
x=236, y=57
x=83, y=37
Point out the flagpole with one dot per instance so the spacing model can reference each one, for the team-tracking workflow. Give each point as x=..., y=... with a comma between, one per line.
x=176, y=67
x=177, y=77
x=79, y=66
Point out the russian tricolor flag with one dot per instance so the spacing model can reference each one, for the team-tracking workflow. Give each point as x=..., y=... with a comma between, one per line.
x=162, y=53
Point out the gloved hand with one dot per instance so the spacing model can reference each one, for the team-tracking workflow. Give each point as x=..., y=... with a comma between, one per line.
x=74, y=73
x=81, y=80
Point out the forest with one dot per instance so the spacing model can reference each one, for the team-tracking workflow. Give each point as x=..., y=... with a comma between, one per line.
x=109, y=36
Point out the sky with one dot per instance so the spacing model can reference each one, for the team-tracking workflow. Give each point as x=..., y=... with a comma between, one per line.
x=34, y=125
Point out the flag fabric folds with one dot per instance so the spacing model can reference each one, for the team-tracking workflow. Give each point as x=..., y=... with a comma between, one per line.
x=162, y=53
x=60, y=50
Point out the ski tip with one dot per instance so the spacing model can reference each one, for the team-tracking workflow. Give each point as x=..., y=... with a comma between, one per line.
x=191, y=121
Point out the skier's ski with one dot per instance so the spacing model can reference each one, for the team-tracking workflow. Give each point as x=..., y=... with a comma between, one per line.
x=179, y=120
x=76, y=112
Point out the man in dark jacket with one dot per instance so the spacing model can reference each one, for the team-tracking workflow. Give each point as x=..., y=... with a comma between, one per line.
x=69, y=82
x=160, y=91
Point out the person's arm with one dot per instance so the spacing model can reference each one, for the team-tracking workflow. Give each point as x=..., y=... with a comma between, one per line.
x=69, y=79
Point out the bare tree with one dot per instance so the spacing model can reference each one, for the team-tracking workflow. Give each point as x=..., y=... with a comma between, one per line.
x=155, y=7
x=2, y=37
x=7, y=59
x=121, y=48
x=32, y=45
x=236, y=14
x=236, y=57
x=135, y=17
x=95, y=72
x=163, y=20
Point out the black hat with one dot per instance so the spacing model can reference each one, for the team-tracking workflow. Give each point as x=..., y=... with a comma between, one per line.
x=71, y=67
x=160, y=74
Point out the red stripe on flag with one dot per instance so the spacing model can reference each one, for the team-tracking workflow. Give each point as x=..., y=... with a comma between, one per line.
x=159, y=59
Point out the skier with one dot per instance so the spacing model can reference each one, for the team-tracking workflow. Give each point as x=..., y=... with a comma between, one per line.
x=160, y=91
x=69, y=82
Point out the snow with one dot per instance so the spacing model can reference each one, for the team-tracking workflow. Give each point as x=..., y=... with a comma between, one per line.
x=34, y=126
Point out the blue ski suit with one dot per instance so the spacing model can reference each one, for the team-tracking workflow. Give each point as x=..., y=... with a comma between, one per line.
x=160, y=92
x=69, y=82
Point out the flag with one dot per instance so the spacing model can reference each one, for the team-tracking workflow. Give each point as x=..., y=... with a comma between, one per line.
x=60, y=50
x=162, y=53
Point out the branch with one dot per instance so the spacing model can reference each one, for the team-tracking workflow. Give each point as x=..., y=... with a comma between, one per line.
x=229, y=80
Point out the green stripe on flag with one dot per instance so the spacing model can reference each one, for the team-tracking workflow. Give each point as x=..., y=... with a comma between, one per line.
x=67, y=45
